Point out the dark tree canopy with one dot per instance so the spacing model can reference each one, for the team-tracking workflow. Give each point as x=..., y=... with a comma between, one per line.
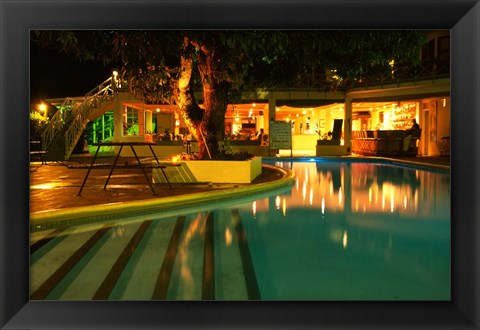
x=165, y=66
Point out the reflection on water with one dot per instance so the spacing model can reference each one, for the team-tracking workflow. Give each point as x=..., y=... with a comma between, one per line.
x=353, y=231
x=189, y=284
x=363, y=188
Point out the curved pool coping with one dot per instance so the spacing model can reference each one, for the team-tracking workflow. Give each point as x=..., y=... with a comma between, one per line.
x=104, y=212
x=370, y=159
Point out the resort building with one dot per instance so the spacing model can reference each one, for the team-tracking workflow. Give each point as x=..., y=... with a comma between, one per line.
x=371, y=117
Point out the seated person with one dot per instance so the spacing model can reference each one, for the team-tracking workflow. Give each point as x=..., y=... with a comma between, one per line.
x=408, y=137
x=415, y=125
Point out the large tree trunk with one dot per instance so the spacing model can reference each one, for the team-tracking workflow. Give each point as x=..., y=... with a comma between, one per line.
x=207, y=124
x=215, y=101
x=191, y=113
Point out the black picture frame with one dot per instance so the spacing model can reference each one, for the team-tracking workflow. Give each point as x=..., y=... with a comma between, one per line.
x=18, y=17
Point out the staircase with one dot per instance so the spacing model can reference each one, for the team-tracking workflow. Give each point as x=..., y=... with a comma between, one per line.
x=67, y=125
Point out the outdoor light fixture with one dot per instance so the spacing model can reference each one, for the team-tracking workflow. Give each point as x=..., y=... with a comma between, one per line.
x=158, y=109
x=43, y=108
x=115, y=74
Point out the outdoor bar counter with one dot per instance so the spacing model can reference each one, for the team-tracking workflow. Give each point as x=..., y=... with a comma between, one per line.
x=385, y=142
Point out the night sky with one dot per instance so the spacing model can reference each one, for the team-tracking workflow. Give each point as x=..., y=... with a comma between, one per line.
x=55, y=75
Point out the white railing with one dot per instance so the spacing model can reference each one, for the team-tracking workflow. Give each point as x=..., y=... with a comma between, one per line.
x=94, y=101
x=102, y=89
x=73, y=116
x=57, y=122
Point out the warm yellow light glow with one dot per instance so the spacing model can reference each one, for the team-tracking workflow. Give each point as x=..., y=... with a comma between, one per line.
x=323, y=205
x=304, y=191
x=277, y=202
x=45, y=186
x=158, y=109
x=284, y=206
x=177, y=122
x=115, y=74
x=228, y=237
x=345, y=239
x=254, y=209
x=392, y=199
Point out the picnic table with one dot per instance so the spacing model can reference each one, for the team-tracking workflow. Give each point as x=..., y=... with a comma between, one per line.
x=132, y=145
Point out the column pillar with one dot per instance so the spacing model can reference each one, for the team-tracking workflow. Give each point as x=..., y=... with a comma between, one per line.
x=271, y=113
x=118, y=119
x=148, y=121
x=347, y=134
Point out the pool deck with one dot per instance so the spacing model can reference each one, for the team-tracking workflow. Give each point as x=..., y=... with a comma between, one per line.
x=54, y=186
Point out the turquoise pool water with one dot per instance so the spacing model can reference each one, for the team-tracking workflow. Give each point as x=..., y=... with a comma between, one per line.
x=343, y=231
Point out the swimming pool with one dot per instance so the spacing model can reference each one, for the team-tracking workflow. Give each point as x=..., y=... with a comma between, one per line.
x=346, y=230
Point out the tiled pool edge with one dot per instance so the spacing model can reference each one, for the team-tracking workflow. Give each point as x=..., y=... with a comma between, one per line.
x=103, y=212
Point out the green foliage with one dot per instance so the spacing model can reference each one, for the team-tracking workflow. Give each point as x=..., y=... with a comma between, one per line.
x=353, y=54
x=242, y=155
x=226, y=152
x=150, y=59
x=37, y=125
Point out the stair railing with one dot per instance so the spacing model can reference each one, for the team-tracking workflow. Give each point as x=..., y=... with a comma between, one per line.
x=94, y=100
x=57, y=122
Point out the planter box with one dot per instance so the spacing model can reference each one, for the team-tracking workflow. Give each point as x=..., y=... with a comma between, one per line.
x=215, y=171
x=328, y=142
x=331, y=150
x=169, y=143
